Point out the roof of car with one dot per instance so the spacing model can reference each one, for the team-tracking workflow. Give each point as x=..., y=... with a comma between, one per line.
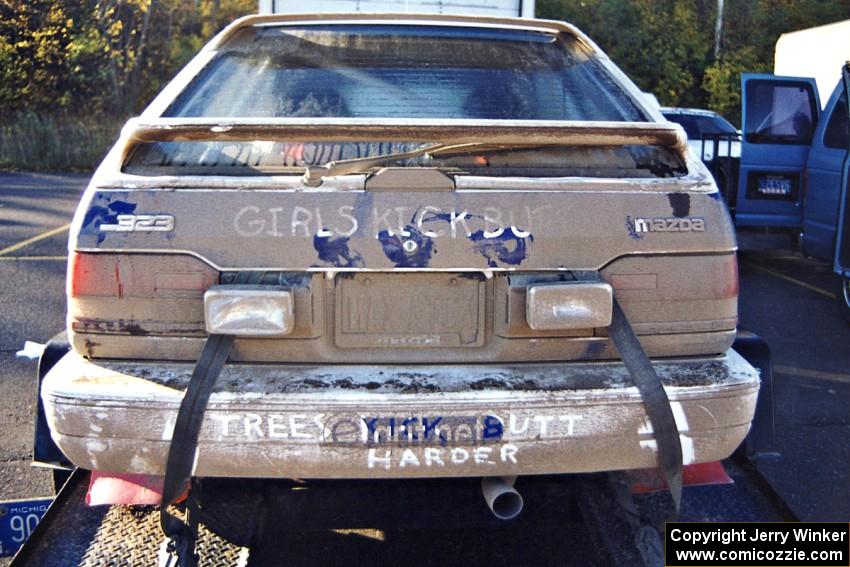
x=693, y=111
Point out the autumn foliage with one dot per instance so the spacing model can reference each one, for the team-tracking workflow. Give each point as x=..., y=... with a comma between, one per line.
x=79, y=68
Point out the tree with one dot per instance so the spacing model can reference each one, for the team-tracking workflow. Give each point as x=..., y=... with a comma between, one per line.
x=34, y=39
x=666, y=46
x=94, y=57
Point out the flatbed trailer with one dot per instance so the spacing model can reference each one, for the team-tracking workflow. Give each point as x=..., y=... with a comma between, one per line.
x=588, y=518
x=274, y=522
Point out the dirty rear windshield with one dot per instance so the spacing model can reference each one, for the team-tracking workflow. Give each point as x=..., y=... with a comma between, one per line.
x=402, y=71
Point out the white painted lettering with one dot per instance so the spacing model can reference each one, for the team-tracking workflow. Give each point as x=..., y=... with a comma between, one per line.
x=373, y=460
x=571, y=422
x=318, y=421
x=508, y=453
x=273, y=231
x=513, y=427
x=519, y=233
x=277, y=429
x=345, y=212
x=253, y=425
x=433, y=456
x=378, y=221
x=481, y=456
x=321, y=231
x=493, y=222
x=250, y=227
x=420, y=220
x=408, y=457
x=301, y=217
x=296, y=422
x=402, y=214
x=543, y=422
x=459, y=455
x=460, y=219
x=224, y=420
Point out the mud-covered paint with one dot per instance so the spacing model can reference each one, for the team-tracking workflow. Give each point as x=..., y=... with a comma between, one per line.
x=510, y=247
x=104, y=210
x=680, y=203
x=409, y=256
x=630, y=228
x=337, y=252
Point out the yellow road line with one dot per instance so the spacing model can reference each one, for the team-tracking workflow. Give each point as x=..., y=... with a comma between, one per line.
x=34, y=239
x=807, y=373
x=789, y=279
x=32, y=258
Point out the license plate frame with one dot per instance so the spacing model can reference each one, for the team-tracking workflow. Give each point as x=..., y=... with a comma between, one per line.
x=410, y=310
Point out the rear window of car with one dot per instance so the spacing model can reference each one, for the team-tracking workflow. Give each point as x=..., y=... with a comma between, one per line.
x=405, y=71
x=697, y=125
x=686, y=121
x=711, y=125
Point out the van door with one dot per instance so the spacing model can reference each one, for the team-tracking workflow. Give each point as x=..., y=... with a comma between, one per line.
x=780, y=115
x=823, y=178
x=842, y=248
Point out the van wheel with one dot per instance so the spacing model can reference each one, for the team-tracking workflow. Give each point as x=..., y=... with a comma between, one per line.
x=844, y=298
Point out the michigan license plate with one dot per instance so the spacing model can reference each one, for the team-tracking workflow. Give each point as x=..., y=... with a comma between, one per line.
x=18, y=519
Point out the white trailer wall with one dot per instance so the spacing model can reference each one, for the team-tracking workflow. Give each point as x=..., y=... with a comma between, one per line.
x=814, y=52
x=510, y=8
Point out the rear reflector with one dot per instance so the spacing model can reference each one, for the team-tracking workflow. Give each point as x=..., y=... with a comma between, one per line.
x=138, y=275
x=569, y=305
x=248, y=311
x=93, y=275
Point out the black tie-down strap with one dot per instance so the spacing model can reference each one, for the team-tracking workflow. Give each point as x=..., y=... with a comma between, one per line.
x=654, y=399
x=184, y=440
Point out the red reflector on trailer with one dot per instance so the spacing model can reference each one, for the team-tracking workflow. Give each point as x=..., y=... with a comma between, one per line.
x=645, y=481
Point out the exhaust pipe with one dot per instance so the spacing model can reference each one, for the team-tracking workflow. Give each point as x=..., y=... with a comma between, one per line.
x=503, y=500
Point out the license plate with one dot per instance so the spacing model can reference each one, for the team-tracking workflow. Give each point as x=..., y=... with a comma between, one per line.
x=409, y=310
x=774, y=185
x=18, y=519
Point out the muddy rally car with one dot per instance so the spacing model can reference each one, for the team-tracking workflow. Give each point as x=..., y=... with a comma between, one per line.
x=395, y=247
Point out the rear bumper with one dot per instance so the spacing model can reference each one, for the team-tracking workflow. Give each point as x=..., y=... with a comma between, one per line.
x=359, y=421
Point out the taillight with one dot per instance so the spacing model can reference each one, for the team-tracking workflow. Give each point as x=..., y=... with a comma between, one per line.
x=138, y=275
x=137, y=294
x=93, y=275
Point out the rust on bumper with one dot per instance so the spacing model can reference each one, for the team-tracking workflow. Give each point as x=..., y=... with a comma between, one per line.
x=358, y=421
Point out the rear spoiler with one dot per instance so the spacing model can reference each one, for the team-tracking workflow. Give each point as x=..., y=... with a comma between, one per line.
x=145, y=129
x=460, y=131
x=454, y=131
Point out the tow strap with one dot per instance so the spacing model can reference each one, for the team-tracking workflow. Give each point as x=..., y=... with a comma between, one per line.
x=190, y=416
x=654, y=398
x=184, y=440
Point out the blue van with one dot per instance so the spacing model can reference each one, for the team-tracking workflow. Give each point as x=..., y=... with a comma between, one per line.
x=794, y=166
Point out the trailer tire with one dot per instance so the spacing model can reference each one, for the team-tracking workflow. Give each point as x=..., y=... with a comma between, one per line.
x=843, y=296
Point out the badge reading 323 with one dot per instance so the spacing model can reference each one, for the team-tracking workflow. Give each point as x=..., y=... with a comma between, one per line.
x=140, y=223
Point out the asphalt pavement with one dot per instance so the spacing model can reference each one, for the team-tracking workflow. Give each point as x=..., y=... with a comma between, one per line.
x=34, y=208
x=785, y=298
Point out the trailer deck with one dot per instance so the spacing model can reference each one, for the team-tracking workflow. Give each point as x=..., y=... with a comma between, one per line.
x=344, y=522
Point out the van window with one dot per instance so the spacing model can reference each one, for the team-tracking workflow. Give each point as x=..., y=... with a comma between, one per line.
x=779, y=112
x=837, y=133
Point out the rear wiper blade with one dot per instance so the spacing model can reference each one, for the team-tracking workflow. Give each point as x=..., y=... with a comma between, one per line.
x=314, y=175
